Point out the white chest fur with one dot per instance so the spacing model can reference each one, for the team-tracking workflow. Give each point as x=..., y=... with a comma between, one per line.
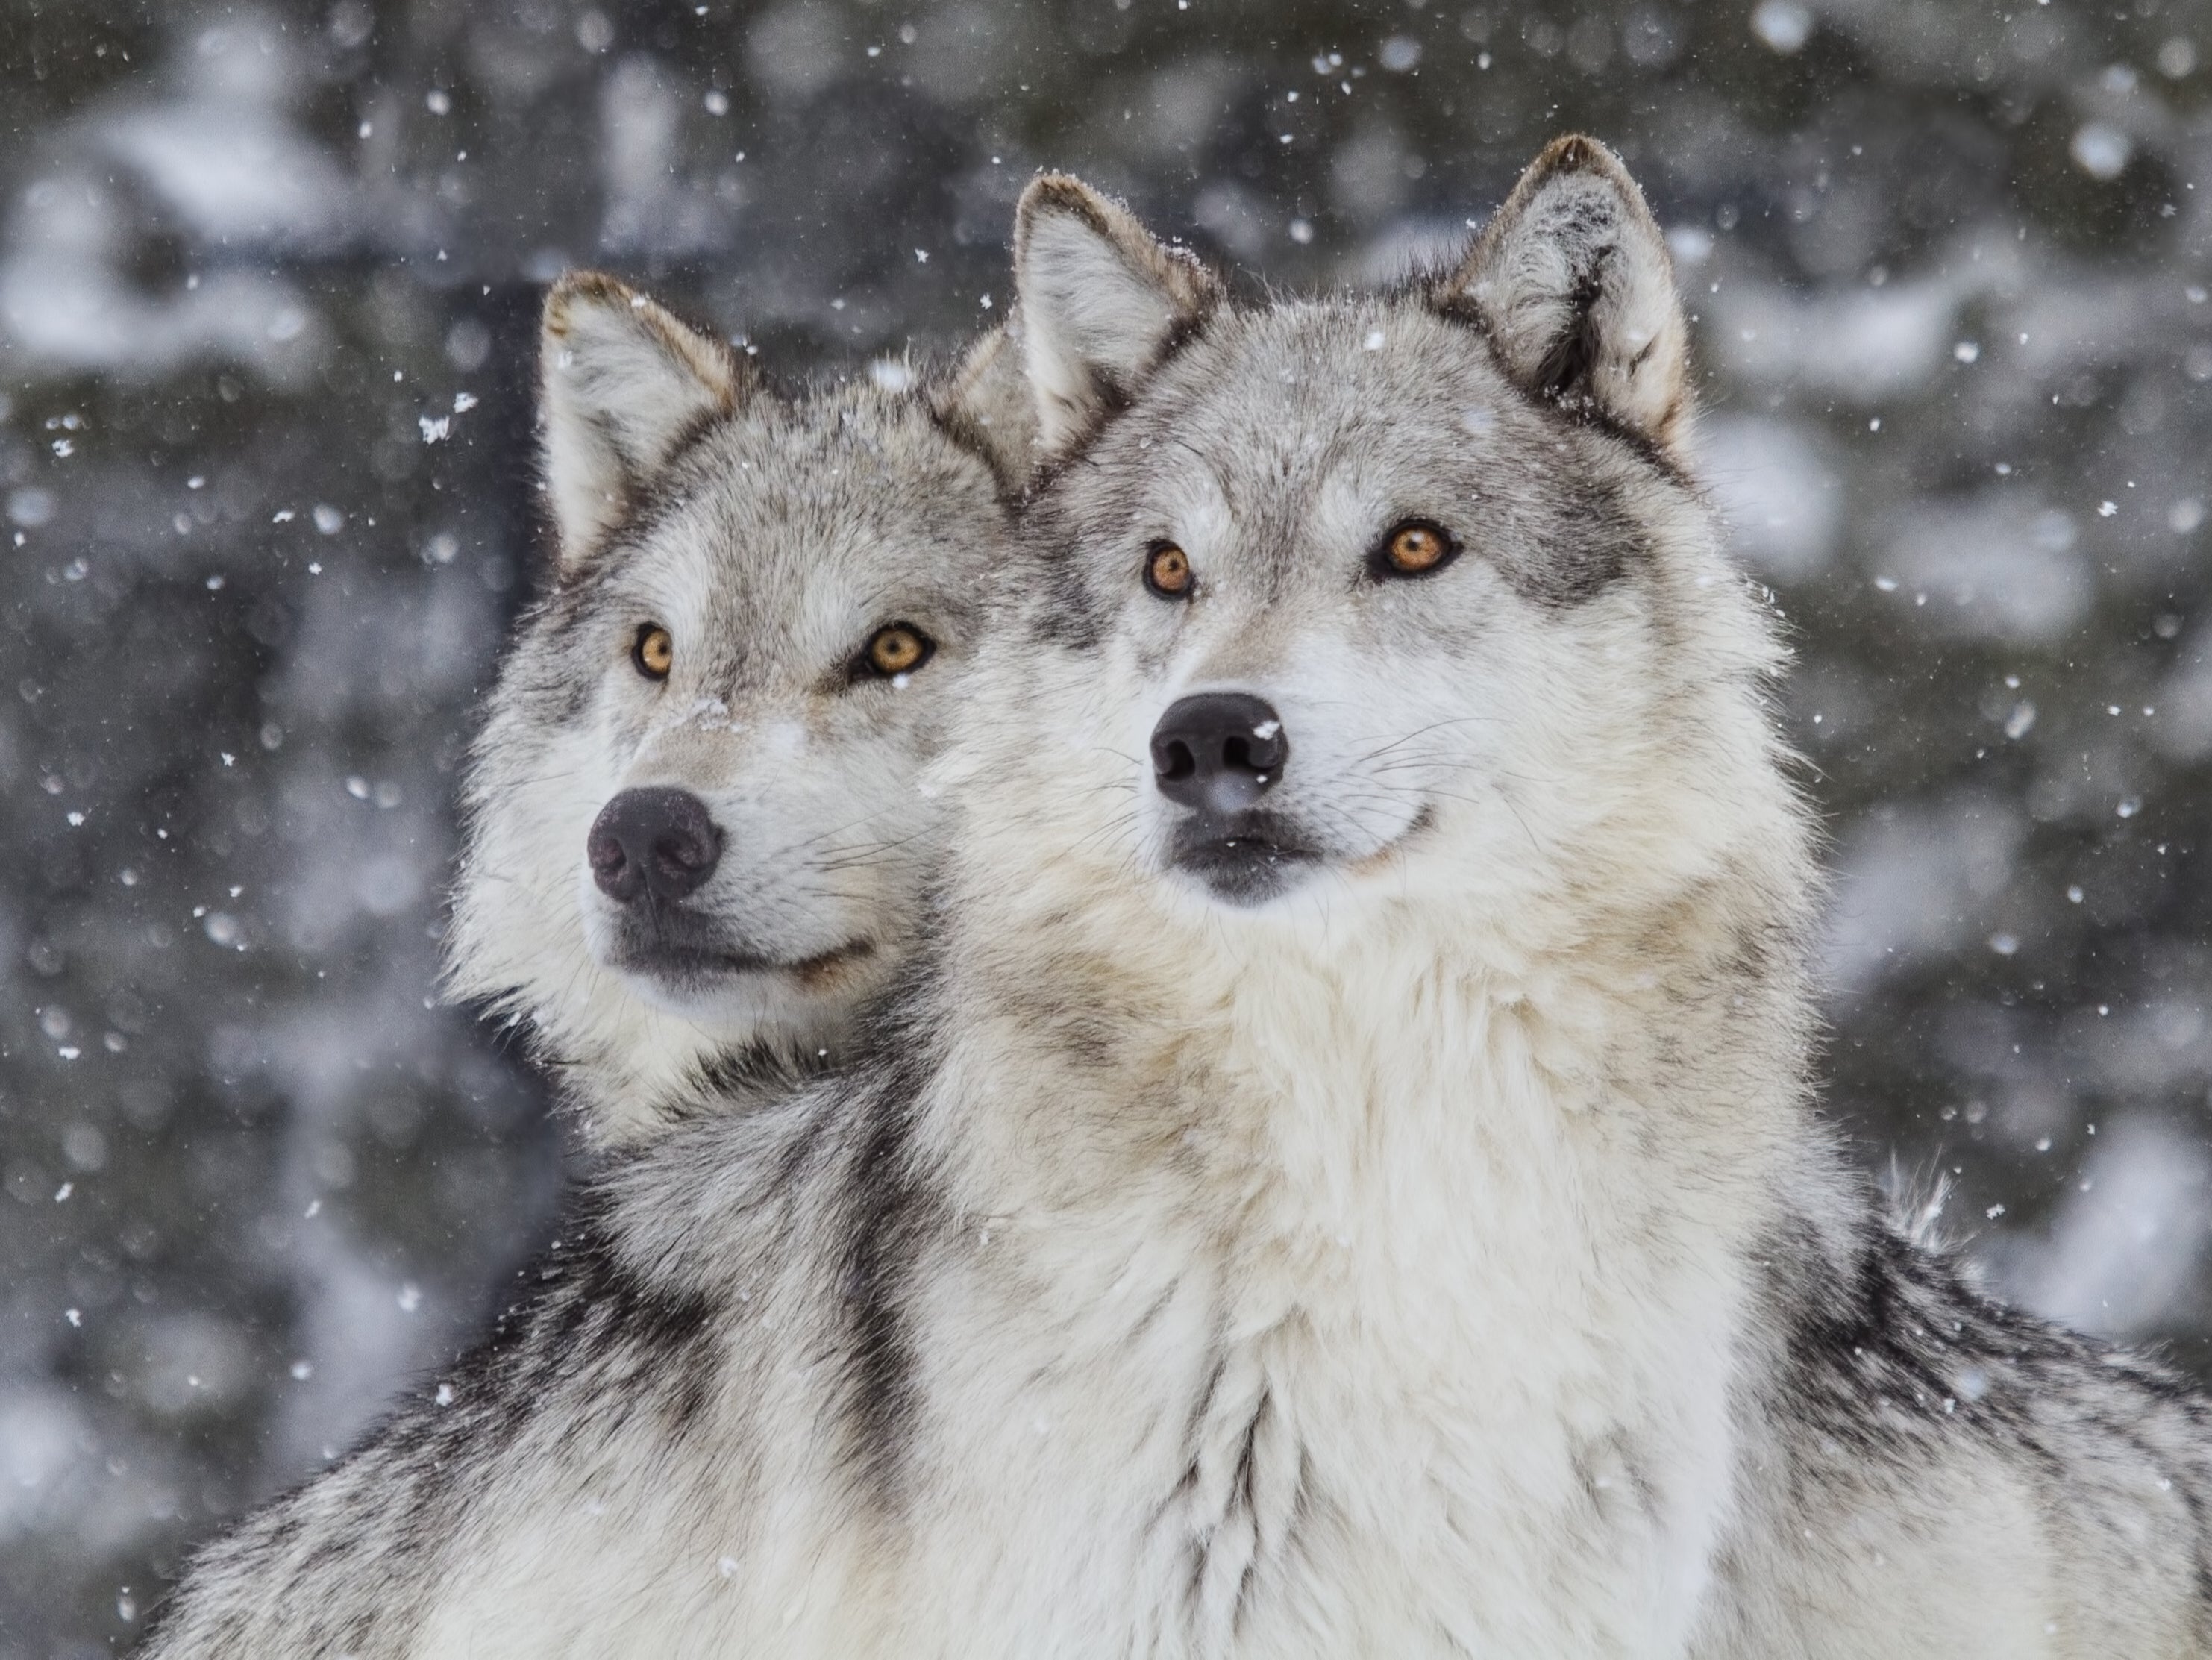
x=1414, y=1336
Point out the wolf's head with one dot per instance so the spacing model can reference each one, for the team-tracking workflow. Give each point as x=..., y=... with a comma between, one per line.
x=694, y=827
x=1385, y=603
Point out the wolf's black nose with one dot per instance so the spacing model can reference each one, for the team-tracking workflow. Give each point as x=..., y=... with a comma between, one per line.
x=1219, y=750
x=660, y=842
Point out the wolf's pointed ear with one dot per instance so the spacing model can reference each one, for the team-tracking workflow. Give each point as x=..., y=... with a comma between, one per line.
x=1101, y=298
x=621, y=383
x=985, y=404
x=1573, y=281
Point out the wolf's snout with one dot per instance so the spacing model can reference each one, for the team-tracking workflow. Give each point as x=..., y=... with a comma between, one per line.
x=659, y=842
x=1218, y=751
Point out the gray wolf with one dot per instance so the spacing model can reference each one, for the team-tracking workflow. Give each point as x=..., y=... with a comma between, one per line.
x=694, y=831
x=1341, y=1177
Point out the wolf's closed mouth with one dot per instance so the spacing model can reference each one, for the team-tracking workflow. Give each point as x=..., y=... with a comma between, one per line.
x=1243, y=859
x=1389, y=850
x=667, y=960
x=825, y=966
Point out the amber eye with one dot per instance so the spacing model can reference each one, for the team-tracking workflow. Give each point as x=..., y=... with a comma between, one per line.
x=900, y=648
x=654, y=651
x=1167, y=571
x=1414, y=549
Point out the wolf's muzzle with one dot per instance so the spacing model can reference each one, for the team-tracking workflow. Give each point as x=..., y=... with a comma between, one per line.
x=659, y=841
x=1217, y=753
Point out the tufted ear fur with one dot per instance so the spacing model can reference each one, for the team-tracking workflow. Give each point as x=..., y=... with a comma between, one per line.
x=623, y=384
x=985, y=404
x=1573, y=281
x=1101, y=300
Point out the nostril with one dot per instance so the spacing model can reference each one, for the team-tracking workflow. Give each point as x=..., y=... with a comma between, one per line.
x=612, y=869
x=1236, y=754
x=1179, y=762
x=684, y=850
x=1264, y=750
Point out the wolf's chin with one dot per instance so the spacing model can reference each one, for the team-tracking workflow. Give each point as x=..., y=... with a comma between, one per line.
x=732, y=991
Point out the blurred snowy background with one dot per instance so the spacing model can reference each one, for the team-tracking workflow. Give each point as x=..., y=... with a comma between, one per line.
x=268, y=278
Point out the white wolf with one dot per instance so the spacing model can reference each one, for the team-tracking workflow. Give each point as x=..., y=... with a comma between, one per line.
x=695, y=838
x=1342, y=1180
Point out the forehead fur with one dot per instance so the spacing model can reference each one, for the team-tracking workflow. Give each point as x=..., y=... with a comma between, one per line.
x=1286, y=440
x=784, y=525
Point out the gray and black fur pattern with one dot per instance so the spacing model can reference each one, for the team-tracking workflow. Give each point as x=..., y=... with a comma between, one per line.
x=1390, y=1217
x=684, y=875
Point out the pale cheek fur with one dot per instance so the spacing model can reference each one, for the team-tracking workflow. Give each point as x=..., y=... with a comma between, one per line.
x=821, y=852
